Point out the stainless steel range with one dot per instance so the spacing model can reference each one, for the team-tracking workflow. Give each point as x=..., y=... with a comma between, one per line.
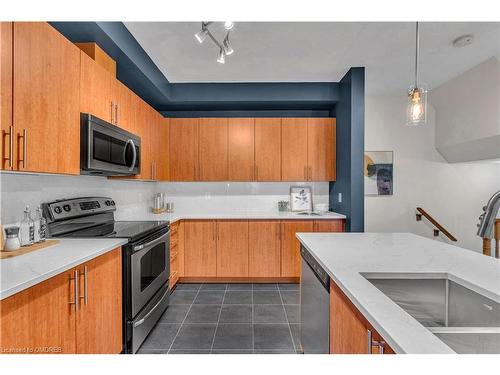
x=146, y=266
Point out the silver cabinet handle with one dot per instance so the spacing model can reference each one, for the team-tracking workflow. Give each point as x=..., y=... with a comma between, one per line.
x=112, y=112
x=24, y=160
x=305, y=173
x=140, y=321
x=11, y=144
x=309, y=177
x=371, y=343
x=116, y=114
x=76, y=302
x=85, y=286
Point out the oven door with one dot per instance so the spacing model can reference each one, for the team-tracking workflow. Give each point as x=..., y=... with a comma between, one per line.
x=149, y=269
x=107, y=149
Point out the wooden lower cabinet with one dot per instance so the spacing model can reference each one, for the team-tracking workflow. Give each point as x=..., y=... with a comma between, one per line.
x=264, y=248
x=40, y=319
x=350, y=332
x=329, y=225
x=44, y=318
x=232, y=248
x=200, y=248
x=290, y=246
x=98, y=321
x=174, y=255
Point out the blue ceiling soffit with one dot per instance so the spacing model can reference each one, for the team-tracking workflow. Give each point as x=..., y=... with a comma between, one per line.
x=137, y=71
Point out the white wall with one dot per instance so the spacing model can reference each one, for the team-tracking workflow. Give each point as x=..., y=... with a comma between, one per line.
x=135, y=198
x=452, y=193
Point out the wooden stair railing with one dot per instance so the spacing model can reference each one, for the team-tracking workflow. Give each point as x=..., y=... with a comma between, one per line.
x=487, y=241
x=438, y=227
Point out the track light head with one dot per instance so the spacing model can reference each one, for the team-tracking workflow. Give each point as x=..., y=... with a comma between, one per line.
x=222, y=57
x=201, y=35
x=228, y=25
x=228, y=50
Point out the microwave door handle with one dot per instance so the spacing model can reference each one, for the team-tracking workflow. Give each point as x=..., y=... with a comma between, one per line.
x=151, y=243
x=134, y=152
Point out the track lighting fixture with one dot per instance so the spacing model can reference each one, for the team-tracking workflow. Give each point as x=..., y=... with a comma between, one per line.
x=225, y=48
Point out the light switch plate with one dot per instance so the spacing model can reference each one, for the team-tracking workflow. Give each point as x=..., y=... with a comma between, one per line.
x=340, y=198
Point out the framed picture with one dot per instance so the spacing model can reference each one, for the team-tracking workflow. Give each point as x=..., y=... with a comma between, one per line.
x=377, y=172
x=301, y=198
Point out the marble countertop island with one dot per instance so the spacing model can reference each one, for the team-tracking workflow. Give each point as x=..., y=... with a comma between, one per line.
x=348, y=256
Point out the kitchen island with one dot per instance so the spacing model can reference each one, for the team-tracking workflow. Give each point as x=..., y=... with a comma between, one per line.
x=354, y=262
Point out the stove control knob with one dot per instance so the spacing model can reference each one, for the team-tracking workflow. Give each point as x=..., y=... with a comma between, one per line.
x=112, y=202
x=107, y=203
x=67, y=207
x=57, y=209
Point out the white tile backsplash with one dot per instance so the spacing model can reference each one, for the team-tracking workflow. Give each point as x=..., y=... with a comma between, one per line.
x=134, y=198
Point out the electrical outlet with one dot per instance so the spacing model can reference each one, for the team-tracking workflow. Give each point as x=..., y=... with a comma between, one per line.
x=340, y=198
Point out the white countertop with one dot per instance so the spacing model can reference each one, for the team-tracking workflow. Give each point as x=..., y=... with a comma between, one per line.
x=243, y=215
x=23, y=271
x=346, y=256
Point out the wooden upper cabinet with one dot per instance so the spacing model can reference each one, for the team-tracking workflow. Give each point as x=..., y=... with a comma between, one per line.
x=162, y=169
x=99, y=320
x=268, y=149
x=264, y=248
x=294, y=149
x=46, y=97
x=7, y=148
x=241, y=149
x=232, y=248
x=200, y=248
x=329, y=225
x=126, y=116
x=40, y=317
x=183, y=149
x=321, y=149
x=290, y=246
x=99, y=90
x=213, y=138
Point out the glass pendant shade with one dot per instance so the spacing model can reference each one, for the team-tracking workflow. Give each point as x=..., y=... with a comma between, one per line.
x=222, y=57
x=416, y=112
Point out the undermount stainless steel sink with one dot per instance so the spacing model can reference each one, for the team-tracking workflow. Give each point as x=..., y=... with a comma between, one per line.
x=463, y=319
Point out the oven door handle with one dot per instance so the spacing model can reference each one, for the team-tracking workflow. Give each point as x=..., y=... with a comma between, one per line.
x=142, y=320
x=134, y=152
x=151, y=243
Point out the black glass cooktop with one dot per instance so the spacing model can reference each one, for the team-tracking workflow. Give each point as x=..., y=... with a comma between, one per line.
x=120, y=229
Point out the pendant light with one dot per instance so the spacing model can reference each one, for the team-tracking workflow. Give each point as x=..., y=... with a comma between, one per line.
x=416, y=113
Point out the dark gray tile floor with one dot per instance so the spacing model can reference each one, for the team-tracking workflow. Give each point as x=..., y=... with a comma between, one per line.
x=228, y=319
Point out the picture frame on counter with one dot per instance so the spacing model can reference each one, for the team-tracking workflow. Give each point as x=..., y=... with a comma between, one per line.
x=301, y=198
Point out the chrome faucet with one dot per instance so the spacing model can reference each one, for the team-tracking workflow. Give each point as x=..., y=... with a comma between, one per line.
x=487, y=218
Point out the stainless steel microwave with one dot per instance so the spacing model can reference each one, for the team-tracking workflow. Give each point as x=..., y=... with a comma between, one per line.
x=106, y=149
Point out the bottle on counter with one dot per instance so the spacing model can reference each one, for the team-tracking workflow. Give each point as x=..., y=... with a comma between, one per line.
x=27, y=229
x=42, y=230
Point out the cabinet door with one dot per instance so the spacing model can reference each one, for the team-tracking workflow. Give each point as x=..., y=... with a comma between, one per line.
x=329, y=225
x=99, y=320
x=290, y=246
x=321, y=149
x=264, y=256
x=7, y=148
x=241, y=149
x=232, y=248
x=348, y=331
x=98, y=90
x=40, y=318
x=213, y=149
x=294, y=149
x=146, y=129
x=268, y=149
x=162, y=162
x=200, y=251
x=183, y=149
x=46, y=99
x=126, y=108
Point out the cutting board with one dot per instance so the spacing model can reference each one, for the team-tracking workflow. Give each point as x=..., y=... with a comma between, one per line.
x=28, y=249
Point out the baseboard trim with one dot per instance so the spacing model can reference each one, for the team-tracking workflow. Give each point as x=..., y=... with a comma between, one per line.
x=242, y=280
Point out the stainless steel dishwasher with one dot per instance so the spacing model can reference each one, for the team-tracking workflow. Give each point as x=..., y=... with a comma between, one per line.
x=314, y=306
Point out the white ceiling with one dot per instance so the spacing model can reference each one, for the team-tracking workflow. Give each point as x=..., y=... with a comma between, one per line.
x=317, y=52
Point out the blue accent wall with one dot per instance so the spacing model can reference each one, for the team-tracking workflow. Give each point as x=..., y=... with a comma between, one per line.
x=350, y=113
